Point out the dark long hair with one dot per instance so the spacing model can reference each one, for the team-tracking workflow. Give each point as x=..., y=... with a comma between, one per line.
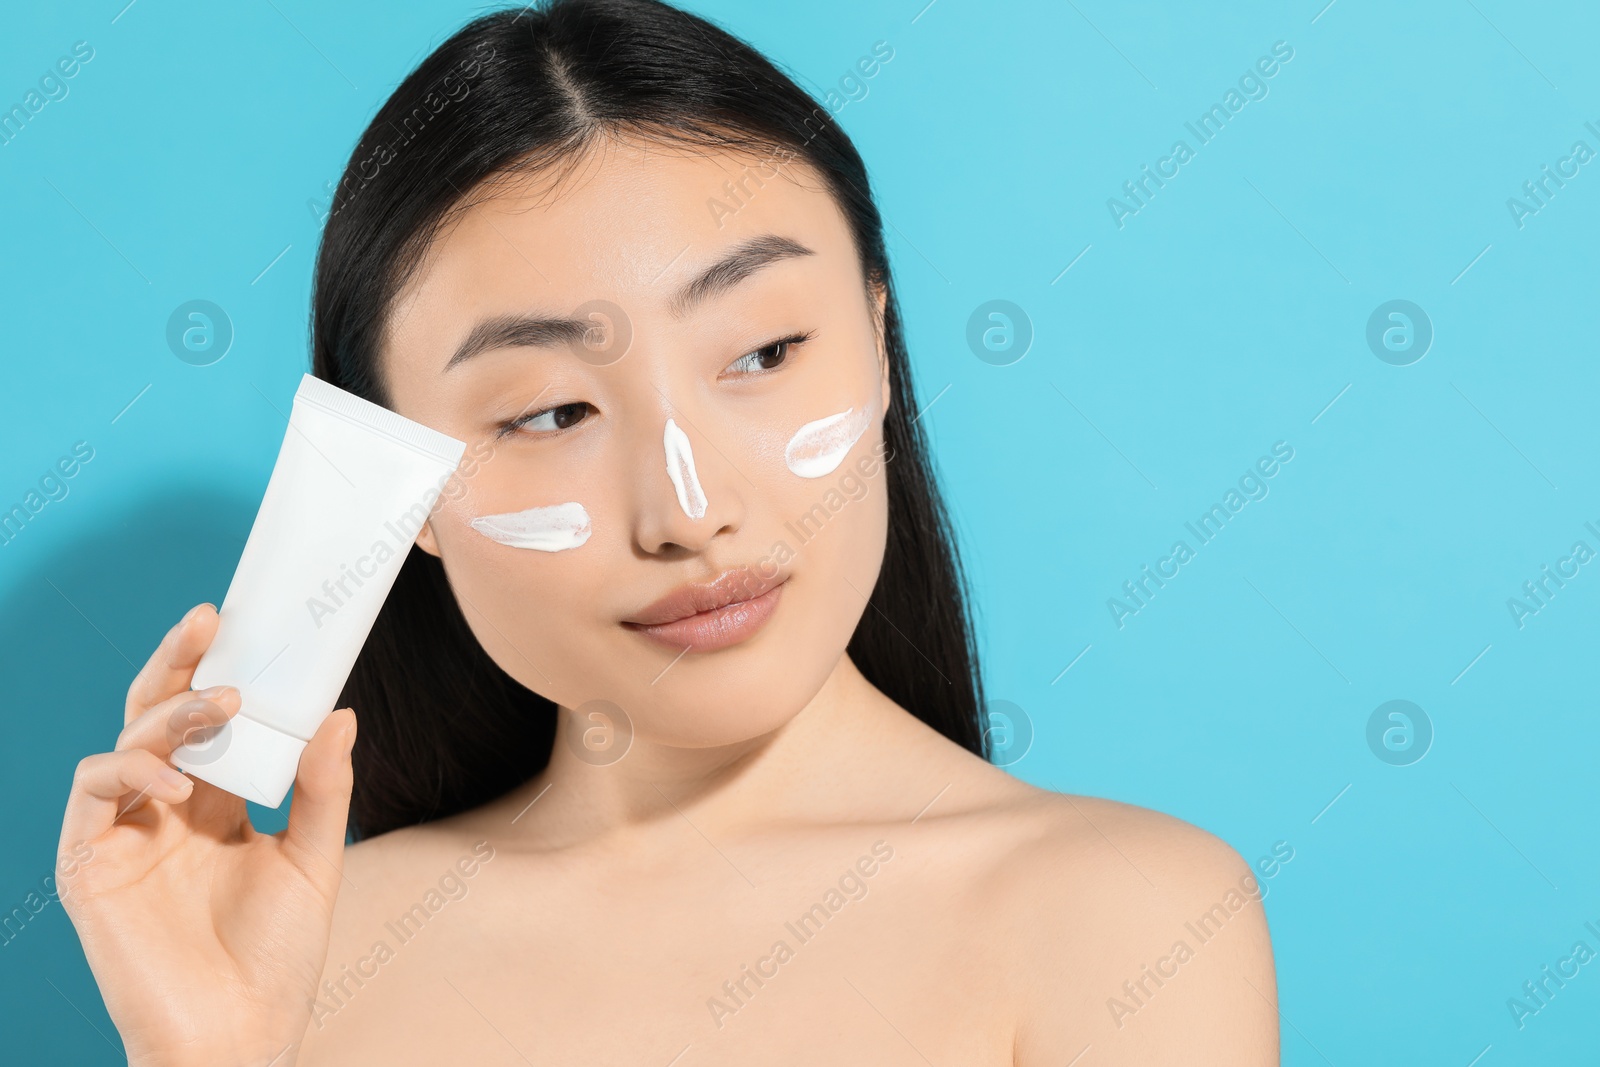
x=443, y=728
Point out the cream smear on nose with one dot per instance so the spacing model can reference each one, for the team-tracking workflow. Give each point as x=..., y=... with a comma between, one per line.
x=680, y=468
x=817, y=448
x=545, y=529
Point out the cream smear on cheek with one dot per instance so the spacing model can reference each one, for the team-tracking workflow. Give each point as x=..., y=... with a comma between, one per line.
x=818, y=448
x=680, y=468
x=545, y=529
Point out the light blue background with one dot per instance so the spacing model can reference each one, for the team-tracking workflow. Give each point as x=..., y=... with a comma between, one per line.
x=1225, y=316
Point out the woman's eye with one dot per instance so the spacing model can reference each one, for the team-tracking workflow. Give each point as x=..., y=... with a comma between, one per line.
x=549, y=420
x=768, y=357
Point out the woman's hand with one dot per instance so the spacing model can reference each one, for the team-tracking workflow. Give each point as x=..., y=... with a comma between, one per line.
x=207, y=938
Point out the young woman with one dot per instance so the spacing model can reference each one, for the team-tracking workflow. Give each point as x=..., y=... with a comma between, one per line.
x=690, y=769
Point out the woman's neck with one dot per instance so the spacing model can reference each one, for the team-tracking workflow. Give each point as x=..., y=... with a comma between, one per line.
x=816, y=761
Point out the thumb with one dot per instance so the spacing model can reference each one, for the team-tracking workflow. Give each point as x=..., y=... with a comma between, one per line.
x=319, y=813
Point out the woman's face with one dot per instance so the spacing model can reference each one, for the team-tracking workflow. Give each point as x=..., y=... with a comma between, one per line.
x=668, y=437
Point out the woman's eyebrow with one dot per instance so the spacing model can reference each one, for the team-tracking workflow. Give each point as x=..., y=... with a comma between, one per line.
x=542, y=331
x=518, y=331
x=730, y=270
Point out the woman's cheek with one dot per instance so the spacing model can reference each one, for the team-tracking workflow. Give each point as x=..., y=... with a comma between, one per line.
x=537, y=620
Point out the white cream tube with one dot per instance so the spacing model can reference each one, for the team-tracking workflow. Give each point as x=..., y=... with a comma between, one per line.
x=351, y=488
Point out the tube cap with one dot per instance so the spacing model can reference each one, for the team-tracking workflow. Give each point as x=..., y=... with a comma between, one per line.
x=246, y=758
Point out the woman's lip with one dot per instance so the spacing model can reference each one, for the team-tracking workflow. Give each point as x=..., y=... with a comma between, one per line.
x=708, y=631
x=732, y=586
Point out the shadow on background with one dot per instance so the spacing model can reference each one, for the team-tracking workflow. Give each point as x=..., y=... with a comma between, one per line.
x=73, y=633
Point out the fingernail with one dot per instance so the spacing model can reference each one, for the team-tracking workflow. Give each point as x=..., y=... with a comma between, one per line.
x=216, y=692
x=350, y=738
x=174, y=778
x=194, y=612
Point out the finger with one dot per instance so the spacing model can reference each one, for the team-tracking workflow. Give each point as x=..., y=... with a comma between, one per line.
x=193, y=718
x=171, y=666
x=190, y=718
x=104, y=779
x=320, y=811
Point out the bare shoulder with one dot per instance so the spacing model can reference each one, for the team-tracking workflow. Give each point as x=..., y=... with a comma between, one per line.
x=1148, y=847
x=1138, y=934
x=398, y=851
x=390, y=887
x=396, y=868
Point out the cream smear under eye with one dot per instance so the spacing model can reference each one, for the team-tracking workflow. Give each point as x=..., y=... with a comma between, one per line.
x=818, y=448
x=553, y=528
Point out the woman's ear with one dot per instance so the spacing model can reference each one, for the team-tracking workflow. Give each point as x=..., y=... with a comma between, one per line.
x=880, y=304
x=425, y=539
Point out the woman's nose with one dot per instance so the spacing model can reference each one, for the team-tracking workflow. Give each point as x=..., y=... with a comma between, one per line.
x=688, y=491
